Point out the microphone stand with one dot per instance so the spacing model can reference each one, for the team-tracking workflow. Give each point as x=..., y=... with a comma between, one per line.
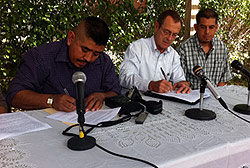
x=200, y=113
x=83, y=141
x=244, y=108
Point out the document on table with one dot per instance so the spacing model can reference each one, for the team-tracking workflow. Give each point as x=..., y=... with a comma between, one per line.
x=18, y=123
x=92, y=118
x=193, y=96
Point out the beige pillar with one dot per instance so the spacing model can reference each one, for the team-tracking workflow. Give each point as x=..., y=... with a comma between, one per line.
x=192, y=8
x=194, y=11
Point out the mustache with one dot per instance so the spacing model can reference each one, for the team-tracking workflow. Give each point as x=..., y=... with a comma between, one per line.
x=83, y=61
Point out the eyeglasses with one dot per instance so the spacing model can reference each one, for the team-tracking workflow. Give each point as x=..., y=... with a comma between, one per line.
x=166, y=32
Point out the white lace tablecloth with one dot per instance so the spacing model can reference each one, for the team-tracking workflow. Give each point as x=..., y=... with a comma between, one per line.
x=169, y=140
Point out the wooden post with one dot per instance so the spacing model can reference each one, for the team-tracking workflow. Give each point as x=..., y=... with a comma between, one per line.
x=192, y=8
x=187, y=19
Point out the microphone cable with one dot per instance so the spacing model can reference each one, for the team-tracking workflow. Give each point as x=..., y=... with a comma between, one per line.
x=107, y=124
x=226, y=107
x=127, y=157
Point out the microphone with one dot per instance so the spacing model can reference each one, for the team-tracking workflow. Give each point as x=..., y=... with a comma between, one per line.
x=198, y=71
x=238, y=66
x=242, y=108
x=200, y=113
x=81, y=142
x=79, y=79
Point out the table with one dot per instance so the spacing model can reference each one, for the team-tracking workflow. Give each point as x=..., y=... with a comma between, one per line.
x=169, y=140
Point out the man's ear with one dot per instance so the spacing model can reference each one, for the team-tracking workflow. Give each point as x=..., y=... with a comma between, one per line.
x=195, y=27
x=157, y=26
x=71, y=37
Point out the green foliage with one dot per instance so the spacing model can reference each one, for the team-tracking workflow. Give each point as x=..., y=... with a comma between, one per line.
x=28, y=23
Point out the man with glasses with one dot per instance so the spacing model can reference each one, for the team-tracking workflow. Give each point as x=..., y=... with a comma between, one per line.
x=152, y=64
x=205, y=50
x=44, y=77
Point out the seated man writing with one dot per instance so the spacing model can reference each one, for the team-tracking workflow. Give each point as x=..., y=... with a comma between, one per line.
x=152, y=64
x=45, y=72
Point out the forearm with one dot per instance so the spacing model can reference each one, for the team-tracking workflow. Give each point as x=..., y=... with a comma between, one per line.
x=109, y=94
x=27, y=99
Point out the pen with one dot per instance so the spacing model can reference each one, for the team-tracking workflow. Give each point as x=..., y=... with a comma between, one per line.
x=163, y=73
x=165, y=76
x=64, y=89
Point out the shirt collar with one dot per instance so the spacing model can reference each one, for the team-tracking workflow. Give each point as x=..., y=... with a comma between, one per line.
x=152, y=39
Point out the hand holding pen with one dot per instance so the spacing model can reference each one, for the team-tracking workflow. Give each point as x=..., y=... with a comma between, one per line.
x=169, y=84
x=183, y=86
x=161, y=86
x=64, y=102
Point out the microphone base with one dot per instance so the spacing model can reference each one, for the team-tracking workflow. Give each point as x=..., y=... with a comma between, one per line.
x=242, y=108
x=198, y=114
x=79, y=144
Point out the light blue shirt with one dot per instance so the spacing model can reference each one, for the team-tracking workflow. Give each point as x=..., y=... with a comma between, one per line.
x=142, y=63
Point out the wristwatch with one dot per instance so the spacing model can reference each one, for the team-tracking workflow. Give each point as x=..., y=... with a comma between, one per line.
x=50, y=101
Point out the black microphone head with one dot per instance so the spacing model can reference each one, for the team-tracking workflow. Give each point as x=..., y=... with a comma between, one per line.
x=79, y=77
x=198, y=71
x=237, y=65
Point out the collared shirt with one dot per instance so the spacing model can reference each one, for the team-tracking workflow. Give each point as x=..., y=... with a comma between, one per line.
x=142, y=63
x=47, y=69
x=215, y=64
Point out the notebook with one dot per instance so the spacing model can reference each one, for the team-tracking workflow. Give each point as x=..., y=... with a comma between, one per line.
x=192, y=98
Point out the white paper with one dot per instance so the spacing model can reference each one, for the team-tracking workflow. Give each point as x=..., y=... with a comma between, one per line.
x=18, y=123
x=92, y=118
x=193, y=96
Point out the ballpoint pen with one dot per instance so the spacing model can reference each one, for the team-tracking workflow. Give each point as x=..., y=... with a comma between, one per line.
x=163, y=73
x=165, y=76
x=64, y=89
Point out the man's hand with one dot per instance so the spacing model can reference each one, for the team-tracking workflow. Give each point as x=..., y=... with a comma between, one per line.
x=94, y=101
x=64, y=102
x=183, y=87
x=161, y=86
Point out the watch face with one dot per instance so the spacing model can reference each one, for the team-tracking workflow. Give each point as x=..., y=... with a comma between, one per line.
x=50, y=101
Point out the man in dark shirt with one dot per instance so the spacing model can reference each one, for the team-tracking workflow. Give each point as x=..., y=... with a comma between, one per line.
x=45, y=72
